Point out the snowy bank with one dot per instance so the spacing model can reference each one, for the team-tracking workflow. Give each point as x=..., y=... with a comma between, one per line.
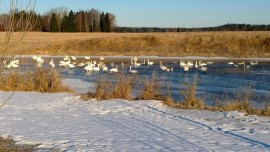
x=64, y=121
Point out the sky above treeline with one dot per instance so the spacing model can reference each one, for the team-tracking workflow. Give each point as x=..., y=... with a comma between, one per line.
x=171, y=13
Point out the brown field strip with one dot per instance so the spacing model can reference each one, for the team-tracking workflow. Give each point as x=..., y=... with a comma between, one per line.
x=227, y=44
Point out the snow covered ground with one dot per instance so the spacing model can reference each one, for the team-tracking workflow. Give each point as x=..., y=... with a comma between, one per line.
x=63, y=121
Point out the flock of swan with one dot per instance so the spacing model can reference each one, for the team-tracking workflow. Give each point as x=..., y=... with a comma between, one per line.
x=91, y=65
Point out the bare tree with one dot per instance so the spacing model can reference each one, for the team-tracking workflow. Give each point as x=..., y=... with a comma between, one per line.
x=112, y=22
x=93, y=17
x=16, y=23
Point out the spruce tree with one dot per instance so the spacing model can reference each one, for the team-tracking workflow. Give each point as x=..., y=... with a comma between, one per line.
x=71, y=22
x=107, y=22
x=53, y=23
x=102, y=22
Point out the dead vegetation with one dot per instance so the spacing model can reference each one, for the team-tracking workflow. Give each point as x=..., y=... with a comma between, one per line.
x=228, y=44
x=9, y=145
x=120, y=86
x=40, y=80
x=116, y=86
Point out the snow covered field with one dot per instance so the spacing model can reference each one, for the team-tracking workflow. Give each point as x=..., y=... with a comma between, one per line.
x=63, y=121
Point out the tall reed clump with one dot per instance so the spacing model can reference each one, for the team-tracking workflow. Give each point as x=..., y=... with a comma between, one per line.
x=189, y=95
x=40, y=80
x=241, y=100
x=117, y=86
x=152, y=89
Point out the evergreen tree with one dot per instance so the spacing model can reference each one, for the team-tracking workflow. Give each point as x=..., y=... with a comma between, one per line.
x=107, y=23
x=68, y=24
x=71, y=20
x=53, y=23
x=65, y=24
x=102, y=22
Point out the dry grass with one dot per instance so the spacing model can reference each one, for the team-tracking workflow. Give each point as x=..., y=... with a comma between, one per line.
x=120, y=86
x=117, y=86
x=242, y=101
x=9, y=145
x=229, y=44
x=190, y=101
x=152, y=89
x=40, y=80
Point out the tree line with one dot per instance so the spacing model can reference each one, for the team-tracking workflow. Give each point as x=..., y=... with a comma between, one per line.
x=226, y=27
x=62, y=20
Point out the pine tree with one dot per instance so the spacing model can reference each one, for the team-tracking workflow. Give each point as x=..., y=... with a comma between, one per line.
x=53, y=23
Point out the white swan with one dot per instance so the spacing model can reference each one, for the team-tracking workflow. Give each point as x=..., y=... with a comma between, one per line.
x=51, y=63
x=114, y=70
x=186, y=68
x=96, y=68
x=254, y=63
x=149, y=63
x=196, y=65
x=12, y=64
x=162, y=67
x=66, y=64
x=80, y=64
x=182, y=63
x=87, y=57
x=204, y=69
x=66, y=58
x=89, y=67
x=73, y=57
x=132, y=71
x=230, y=63
x=104, y=67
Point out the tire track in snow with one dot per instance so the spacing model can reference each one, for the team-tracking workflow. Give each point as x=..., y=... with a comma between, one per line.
x=216, y=130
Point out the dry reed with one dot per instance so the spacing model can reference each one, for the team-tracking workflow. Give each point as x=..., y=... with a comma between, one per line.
x=117, y=86
x=40, y=80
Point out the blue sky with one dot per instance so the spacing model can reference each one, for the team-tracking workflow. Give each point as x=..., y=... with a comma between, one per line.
x=171, y=13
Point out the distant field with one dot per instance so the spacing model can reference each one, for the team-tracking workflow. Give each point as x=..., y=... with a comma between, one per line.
x=228, y=44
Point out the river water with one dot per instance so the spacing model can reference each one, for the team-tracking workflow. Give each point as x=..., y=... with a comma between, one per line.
x=221, y=82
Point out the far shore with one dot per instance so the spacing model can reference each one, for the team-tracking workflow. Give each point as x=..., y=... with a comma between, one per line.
x=156, y=57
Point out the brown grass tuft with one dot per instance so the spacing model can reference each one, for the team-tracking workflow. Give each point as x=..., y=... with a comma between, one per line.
x=189, y=95
x=152, y=89
x=9, y=145
x=40, y=80
x=117, y=86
